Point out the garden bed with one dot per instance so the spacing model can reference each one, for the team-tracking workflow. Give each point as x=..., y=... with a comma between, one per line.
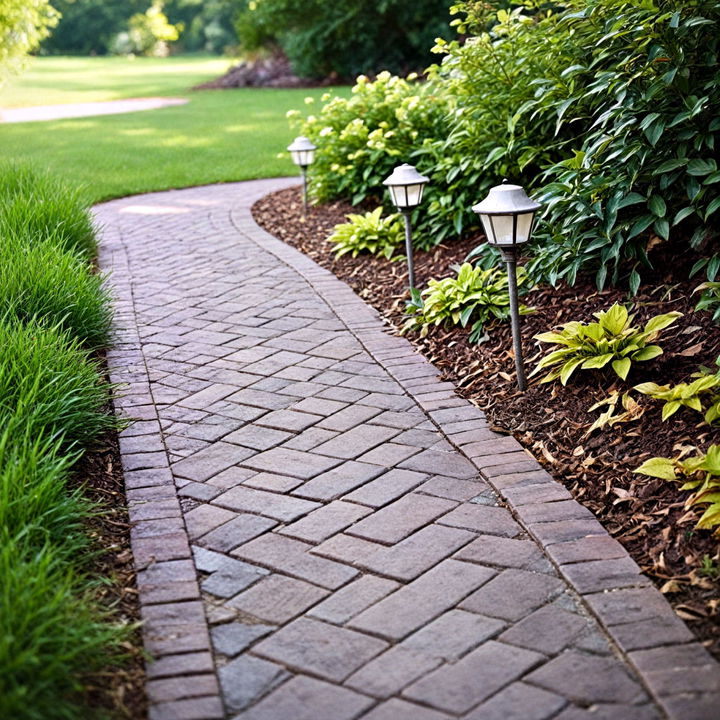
x=648, y=516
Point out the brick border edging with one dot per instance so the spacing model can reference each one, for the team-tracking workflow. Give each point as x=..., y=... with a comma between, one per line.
x=168, y=590
x=680, y=675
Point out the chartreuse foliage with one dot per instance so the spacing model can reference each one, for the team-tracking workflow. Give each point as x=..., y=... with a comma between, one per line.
x=611, y=340
x=369, y=233
x=682, y=395
x=474, y=297
x=701, y=473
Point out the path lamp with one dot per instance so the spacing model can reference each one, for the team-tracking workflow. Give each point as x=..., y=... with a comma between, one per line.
x=406, y=187
x=507, y=215
x=302, y=152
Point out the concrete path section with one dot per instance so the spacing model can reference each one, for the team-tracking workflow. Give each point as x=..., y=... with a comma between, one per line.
x=89, y=109
x=323, y=530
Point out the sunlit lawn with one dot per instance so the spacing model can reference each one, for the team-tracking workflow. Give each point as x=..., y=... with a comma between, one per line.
x=219, y=136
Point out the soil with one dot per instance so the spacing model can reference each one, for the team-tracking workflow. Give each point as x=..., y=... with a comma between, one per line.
x=119, y=690
x=648, y=516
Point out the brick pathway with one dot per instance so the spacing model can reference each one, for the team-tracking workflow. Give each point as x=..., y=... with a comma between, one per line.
x=324, y=531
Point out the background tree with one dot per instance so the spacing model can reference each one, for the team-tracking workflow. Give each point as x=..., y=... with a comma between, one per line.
x=23, y=24
x=345, y=37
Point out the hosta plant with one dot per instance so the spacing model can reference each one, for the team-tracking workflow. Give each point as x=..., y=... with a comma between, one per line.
x=683, y=394
x=701, y=473
x=370, y=233
x=709, y=299
x=612, y=340
x=473, y=297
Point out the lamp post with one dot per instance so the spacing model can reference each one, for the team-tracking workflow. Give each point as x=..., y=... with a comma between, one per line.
x=507, y=215
x=302, y=152
x=406, y=187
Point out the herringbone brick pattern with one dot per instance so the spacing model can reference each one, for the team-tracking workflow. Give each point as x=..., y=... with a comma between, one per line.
x=345, y=559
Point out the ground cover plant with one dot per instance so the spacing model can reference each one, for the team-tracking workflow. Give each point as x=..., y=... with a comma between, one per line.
x=54, y=631
x=562, y=426
x=219, y=136
x=371, y=233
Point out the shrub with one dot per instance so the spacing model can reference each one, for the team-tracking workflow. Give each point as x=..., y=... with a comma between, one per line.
x=611, y=340
x=709, y=299
x=701, y=473
x=473, y=297
x=42, y=282
x=36, y=206
x=49, y=389
x=368, y=233
x=361, y=139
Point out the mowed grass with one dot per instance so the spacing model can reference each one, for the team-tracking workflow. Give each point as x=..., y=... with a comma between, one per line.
x=219, y=136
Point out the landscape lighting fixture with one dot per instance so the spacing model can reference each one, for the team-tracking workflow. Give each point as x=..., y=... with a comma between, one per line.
x=507, y=216
x=406, y=187
x=302, y=152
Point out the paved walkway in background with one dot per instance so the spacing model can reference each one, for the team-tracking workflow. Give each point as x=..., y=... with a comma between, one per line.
x=323, y=530
x=89, y=109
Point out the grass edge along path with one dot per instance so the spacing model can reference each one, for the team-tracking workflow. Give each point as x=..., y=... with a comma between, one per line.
x=53, y=631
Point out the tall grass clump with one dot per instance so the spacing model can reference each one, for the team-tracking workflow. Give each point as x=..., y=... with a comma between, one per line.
x=36, y=206
x=52, y=634
x=49, y=387
x=40, y=281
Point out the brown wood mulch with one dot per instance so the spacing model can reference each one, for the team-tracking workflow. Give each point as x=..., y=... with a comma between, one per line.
x=646, y=515
x=119, y=690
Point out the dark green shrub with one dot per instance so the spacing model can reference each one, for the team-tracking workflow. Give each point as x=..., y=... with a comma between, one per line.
x=40, y=281
x=36, y=206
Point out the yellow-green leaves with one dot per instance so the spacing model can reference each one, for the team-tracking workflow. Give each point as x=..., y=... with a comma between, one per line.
x=368, y=233
x=473, y=295
x=682, y=394
x=611, y=340
x=701, y=473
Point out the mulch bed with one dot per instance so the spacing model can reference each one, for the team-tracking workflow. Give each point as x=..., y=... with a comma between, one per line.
x=118, y=691
x=646, y=515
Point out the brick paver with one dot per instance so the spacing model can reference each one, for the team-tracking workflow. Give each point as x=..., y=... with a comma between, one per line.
x=323, y=530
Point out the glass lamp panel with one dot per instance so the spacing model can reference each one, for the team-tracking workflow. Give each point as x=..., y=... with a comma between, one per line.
x=296, y=156
x=309, y=157
x=502, y=229
x=488, y=228
x=407, y=196
x=524, y=227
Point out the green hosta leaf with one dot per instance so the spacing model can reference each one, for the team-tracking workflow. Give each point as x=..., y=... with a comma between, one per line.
x=615, y=319
x=711, y=462
x=700, y=168
x=670, y=408
x=657, y=206
x=648, y=388
x=597, y=362
x=660, y=322
x=670, y=165
x=622, y=367
x=658, y=467
x=647, y=353
x=568, y=368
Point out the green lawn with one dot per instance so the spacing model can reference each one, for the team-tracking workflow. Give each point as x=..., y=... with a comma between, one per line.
x=219, y=136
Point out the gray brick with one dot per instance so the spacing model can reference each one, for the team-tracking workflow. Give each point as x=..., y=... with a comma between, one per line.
x=333, y=484
x=257, y=437
x=505, y=552
x=246, y=678
x=519, y=702
x=482, y=519
x=291, y=462
x=416, y=604
x=462, y=685
x=547, y=630
x=396, y=709
x=386, y=488
x=356, y=441
x=352, y=599
x=435, y=462
x=235, y=532
x=278, y=507
x=234, y=637
x=320, y=649
x=327, y=520
x=208, y=462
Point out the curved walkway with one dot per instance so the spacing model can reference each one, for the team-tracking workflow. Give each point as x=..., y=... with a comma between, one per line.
x=323, y=530
x=65, y=111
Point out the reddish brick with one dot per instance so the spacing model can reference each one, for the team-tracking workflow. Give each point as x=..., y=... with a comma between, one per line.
x=352, y=599
x=326, y=521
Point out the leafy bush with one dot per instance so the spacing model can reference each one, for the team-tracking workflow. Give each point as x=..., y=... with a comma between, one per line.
x=368, y=233
x=23, y=26
x=41, y=282
x=612, y=339
x=604, y=109
x=37, y=206
x=474, y=296
x=346, y=37
x=362, y=138
x=701, y=473
x=49, y=389
x=148, y=33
